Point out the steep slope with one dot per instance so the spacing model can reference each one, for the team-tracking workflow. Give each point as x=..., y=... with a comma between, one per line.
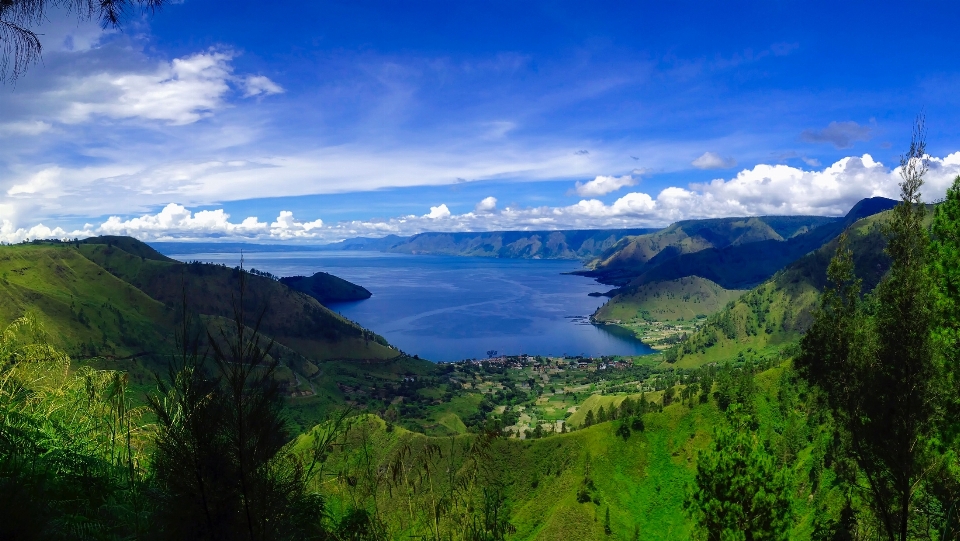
x=736, y=253
x=295, y=320
x=576, y=244
x=687, y=298
x=566, y=485
x=326, y=288
x=780, y=309
x=86, y=310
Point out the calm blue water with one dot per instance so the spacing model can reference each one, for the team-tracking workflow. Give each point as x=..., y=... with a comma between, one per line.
x=451, y=308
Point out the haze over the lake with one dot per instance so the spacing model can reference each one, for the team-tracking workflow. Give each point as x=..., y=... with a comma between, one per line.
x=313, y=122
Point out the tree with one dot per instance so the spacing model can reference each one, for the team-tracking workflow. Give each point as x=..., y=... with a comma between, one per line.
x=221, y=459
x=945, y=272
x=878, y=365
x=21, y=45
x=588, y=420
x=739, y=493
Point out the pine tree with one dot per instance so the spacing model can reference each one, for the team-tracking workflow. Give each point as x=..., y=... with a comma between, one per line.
x=878, y=365
x=945, y=272
x=739, y=493
x=900, y=401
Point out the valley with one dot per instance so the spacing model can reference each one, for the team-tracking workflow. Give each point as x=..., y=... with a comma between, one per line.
x=556, y=446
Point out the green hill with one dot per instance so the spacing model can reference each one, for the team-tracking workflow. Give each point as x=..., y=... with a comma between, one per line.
x=88, y=311
x=563, y=486
x=736, y=253
x=326, y=288
x=293, y=319
x=685, y=298
x=779, y=310
x=115, y=297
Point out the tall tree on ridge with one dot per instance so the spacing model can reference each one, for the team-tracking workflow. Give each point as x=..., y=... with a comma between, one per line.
x=881, y=372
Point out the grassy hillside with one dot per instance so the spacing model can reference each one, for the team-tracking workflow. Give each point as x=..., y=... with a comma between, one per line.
x=295, y=320
x=734, y=253
x=563, y=486
x=576, y=244
x=88, y=311
x=685, y=298
x=779, y=310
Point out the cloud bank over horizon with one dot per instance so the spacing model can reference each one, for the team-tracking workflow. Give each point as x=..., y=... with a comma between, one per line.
x=763, y=190
x=187, y=125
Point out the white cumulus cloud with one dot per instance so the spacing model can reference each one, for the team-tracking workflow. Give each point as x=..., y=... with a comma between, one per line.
x=712, y=160
x=257, y=85
x=440, y=211
x=487, y=204
x=603, y=185
x=763, y=190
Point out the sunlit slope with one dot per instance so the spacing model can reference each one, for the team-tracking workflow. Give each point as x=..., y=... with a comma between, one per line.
x=634, y=255
x=684, y=298
x=561, y=487
x=736, y=253
x=86, y=310
x=779, y=310
x=294, y=319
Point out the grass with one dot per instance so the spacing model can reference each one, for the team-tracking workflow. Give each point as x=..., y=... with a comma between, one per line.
x=642, y=480
x=682, y=299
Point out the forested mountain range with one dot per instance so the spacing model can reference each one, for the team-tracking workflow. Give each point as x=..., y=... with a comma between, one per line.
x=732, y=252
x=572, y=244
x=690, y=270
x=779, y=310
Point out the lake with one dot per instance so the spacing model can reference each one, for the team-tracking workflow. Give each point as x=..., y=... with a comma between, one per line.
x=451, y=308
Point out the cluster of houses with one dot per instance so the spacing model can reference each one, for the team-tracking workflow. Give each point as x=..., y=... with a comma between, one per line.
x=544, y=364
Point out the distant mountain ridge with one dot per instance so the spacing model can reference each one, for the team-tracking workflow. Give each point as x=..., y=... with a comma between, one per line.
x=571, y=244
x=736, y=253
x=780, y=309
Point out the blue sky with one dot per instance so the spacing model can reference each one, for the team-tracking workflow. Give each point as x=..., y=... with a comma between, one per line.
x=315, y=121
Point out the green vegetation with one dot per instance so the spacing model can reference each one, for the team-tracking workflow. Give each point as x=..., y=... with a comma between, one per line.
x=821, y=404
x=326, y=288
x=664, y=313
x=774, y=315
x=736, y=253
x=686, y=298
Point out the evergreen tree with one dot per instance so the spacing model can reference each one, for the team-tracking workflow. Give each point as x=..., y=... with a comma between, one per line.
x=221, y=459
x=945, y=271
x=878, y=365
x=739, y=492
